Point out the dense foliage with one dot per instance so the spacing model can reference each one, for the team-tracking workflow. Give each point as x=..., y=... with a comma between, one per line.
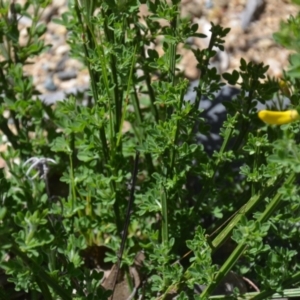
x=150, y=186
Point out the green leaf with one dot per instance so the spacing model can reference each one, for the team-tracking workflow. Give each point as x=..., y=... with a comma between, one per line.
x=294, y=72
x=3, y=211
x=199, y=35
x=194, y=27
x=243, y=65
x=86, y=156
x=40, y=29
x=61, y=145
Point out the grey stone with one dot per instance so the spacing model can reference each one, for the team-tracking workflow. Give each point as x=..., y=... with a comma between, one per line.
x=66, y=75
x=49, y=84
x=253, y=9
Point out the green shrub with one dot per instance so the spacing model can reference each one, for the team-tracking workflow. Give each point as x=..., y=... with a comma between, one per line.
x=134, y=185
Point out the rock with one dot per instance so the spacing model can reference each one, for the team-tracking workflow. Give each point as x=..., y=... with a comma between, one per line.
x=52, y=98
x=66, y=75
x=252, y=10
x=62, y=49
x=49, y=84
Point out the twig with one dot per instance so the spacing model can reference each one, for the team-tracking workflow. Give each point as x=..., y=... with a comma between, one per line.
x=127, y=220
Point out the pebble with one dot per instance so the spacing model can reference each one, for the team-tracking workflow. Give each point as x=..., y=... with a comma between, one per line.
x=62, y=49
x=49, y=84
x=188, y=65
x=59, y=3
x=253, y=7
x=66, y=75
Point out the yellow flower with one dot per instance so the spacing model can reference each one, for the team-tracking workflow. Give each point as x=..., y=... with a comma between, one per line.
x=284, y=88
x=278, y=117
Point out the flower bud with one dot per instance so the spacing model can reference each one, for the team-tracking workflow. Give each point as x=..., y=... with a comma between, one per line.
x=284, y=88
x=278, y=117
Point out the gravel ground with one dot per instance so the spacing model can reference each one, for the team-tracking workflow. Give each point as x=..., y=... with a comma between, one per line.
x=55, y=72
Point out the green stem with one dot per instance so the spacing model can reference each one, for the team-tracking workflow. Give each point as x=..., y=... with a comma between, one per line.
x=44, y=289
x=110, y=37
x=173, y=151
x=164, y=208
x=173, y=24
x=139, y=132
x=254, y=169
x=108, y=156
x=123, y=115
x=228, y=134
x=244, y=128
x=287, y=283
x=230, y=262
x=244, y=210
x=137, y=108
x=94, y=79
x=73, y=192
x=151, y=95
x=146, y=74
x=288, y=293
x=275, y=202
x=204, y=68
